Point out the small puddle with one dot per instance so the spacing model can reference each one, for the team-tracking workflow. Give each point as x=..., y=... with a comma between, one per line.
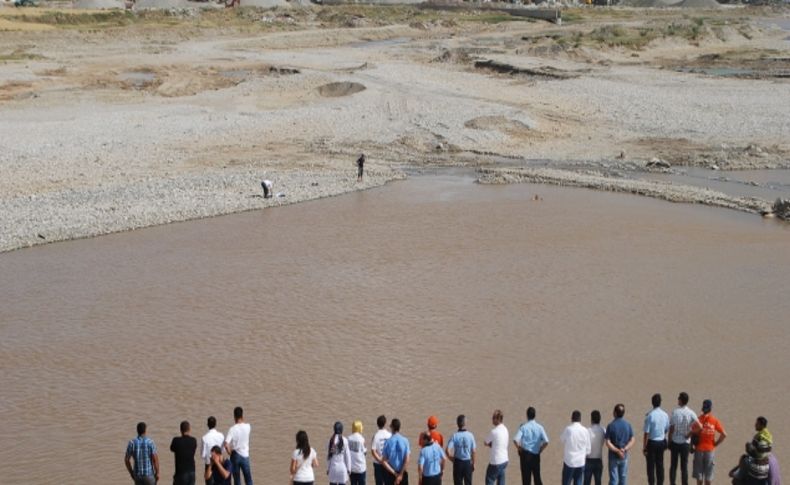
x=137, y=79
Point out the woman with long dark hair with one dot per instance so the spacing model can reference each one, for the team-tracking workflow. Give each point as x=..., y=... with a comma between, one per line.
x=338, y=457
x=303, y=460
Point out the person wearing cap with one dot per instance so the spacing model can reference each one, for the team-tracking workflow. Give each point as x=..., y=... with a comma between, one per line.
x=377, y=448
x=433, y=423
x=619, y=440
x=395, y=457
x=497, y=440
x=704, y=452
x=430, y=465
x=356, y=446
x=654, y=441
x=679, y=426
x=754, y=466
x=530, y=441
x=462, y=451
x=338, y=460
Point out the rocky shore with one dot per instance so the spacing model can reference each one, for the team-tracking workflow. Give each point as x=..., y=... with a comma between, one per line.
x=72, y=214
x=112, y=122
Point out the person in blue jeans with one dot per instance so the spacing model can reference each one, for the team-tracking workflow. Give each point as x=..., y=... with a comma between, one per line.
x=497, y=440
x=619, y=439
x=237, y=444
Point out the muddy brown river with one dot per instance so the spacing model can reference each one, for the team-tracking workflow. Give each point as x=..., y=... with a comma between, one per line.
x=429, y=296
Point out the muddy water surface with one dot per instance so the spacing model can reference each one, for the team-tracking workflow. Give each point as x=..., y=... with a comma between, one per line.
x=430, y=296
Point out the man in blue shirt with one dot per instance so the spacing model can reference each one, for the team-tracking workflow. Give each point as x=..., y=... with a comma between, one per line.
x=142, y=451
x=395, y=457
x=619, y=439
x=530, y=442
x=655, y=441
x=462, y=450
x=430, y=465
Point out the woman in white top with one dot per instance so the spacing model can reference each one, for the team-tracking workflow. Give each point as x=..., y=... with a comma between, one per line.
x=338, y=457
x=356, y=445
x=303, y=460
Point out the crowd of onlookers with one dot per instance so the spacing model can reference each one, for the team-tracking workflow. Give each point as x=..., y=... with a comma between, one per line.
x=226, y=458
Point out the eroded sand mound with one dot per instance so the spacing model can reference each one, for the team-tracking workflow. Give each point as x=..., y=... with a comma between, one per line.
x=99, y=4
x=334, y=90
x=498, y=123
x=699, y=4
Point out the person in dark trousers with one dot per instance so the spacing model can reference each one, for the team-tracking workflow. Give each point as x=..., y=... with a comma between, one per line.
x=184, y=447
x=530, y=441
x=654, y=441
x=360, y=167
x=462, y=451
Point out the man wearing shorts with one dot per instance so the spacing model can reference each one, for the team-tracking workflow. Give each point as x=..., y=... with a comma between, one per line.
x=708, y=441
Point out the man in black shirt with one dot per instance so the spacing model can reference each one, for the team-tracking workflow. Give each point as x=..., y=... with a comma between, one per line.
x=183, y=447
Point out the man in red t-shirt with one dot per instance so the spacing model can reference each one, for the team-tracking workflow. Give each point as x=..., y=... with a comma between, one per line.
x=433, y=423
x=706, y=429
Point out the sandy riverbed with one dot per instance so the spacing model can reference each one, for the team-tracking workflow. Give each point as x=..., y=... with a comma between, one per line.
x=112, y=121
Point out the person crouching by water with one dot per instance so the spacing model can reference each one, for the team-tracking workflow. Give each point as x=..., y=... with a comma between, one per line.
x=430, y=466
x=220, y=471
x=303, y=460
x=754, y=466
x=360, y=167
x=338, y=457
x=267, y=188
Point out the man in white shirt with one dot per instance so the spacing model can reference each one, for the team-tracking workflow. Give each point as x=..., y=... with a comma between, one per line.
x=679, y=427
x=497, y=440
x=377, y=446
x=577, y=446
x=593, y=464
x=237, y=444
x=211, y=439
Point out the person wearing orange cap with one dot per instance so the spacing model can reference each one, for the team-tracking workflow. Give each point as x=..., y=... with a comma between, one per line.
x=436, y=436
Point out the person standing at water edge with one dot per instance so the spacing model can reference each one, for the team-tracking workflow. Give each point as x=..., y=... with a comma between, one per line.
x=338, y=460
x=577, y=446
x=706, y=427
x=210, y=440
x=679, y=427
x=142, y=451
x=430, y=466
x=184, y=447
x=654, y=441
x=593, y=464
x=237, y=444
x=356, y=446
x=377, y=447
x=395, y=457
x=221, y=471
x=530, y=440
x=619, y=440
x=462, y=451
x=497, y=440
x=432, y=423
x=360, y=167
x=303, y=460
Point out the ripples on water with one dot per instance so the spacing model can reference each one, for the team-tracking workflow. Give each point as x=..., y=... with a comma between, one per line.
x=431, y=296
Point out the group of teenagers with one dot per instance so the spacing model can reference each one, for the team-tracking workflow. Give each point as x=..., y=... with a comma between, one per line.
x=683, y=433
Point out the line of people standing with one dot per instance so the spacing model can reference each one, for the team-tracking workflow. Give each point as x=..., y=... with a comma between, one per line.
x=142, y=459
x=683, y=433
